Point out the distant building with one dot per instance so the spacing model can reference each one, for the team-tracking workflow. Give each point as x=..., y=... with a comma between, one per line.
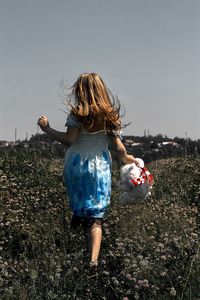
x=170, y=143
x=4, y=144
x=128, y=142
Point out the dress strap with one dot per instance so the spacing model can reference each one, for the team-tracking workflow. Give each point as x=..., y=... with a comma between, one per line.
x=95, y=132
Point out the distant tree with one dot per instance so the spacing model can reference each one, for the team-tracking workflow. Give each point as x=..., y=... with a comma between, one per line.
x=180, y=141
x=40, y=137
x=158, y=138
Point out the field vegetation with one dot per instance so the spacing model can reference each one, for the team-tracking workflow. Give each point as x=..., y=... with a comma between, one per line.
x=149, y=251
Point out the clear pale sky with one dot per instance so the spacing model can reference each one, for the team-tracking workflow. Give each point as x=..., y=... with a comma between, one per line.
x=147, y=51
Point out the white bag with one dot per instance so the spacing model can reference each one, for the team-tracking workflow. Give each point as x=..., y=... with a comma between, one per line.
x=136, y=183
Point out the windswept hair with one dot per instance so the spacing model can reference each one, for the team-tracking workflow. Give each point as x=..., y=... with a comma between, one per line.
x=93, y=103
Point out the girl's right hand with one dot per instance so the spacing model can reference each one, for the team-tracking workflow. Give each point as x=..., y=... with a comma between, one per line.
x=43, y=122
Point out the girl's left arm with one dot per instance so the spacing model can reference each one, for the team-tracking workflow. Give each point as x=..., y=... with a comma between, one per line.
x=65, y=138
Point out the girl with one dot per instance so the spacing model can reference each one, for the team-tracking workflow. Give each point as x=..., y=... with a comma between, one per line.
x=92, y=125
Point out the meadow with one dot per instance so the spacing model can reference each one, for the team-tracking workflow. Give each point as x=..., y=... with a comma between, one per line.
x=149, y=251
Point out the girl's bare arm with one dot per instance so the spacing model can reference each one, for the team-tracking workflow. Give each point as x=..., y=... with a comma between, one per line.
x=65, y=138
x=120, y=151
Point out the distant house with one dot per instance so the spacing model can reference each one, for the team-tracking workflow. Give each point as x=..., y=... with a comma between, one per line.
x=136, y=144
x=44, y=145
x=128, y=142
x=4, y=144
x=170, y=143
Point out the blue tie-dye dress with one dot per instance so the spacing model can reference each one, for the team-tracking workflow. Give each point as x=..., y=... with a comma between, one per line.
x=87, y=172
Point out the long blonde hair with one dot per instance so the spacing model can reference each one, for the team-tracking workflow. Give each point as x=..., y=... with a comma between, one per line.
x=93, y=103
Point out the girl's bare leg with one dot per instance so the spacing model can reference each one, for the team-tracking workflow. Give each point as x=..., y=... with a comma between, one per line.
x=95, y=235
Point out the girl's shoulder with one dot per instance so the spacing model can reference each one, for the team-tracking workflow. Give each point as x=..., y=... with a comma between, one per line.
x=72, y=121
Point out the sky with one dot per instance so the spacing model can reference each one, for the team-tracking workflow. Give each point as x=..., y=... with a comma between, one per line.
x=147, y=52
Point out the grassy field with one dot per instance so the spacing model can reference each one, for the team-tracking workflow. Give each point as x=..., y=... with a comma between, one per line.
x=149, y=251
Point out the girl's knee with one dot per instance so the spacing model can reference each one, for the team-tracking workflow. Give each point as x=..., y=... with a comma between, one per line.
x=97, y=224
x=92, y=223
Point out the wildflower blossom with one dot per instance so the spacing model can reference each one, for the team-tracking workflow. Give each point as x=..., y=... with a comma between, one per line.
x=173, y=292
